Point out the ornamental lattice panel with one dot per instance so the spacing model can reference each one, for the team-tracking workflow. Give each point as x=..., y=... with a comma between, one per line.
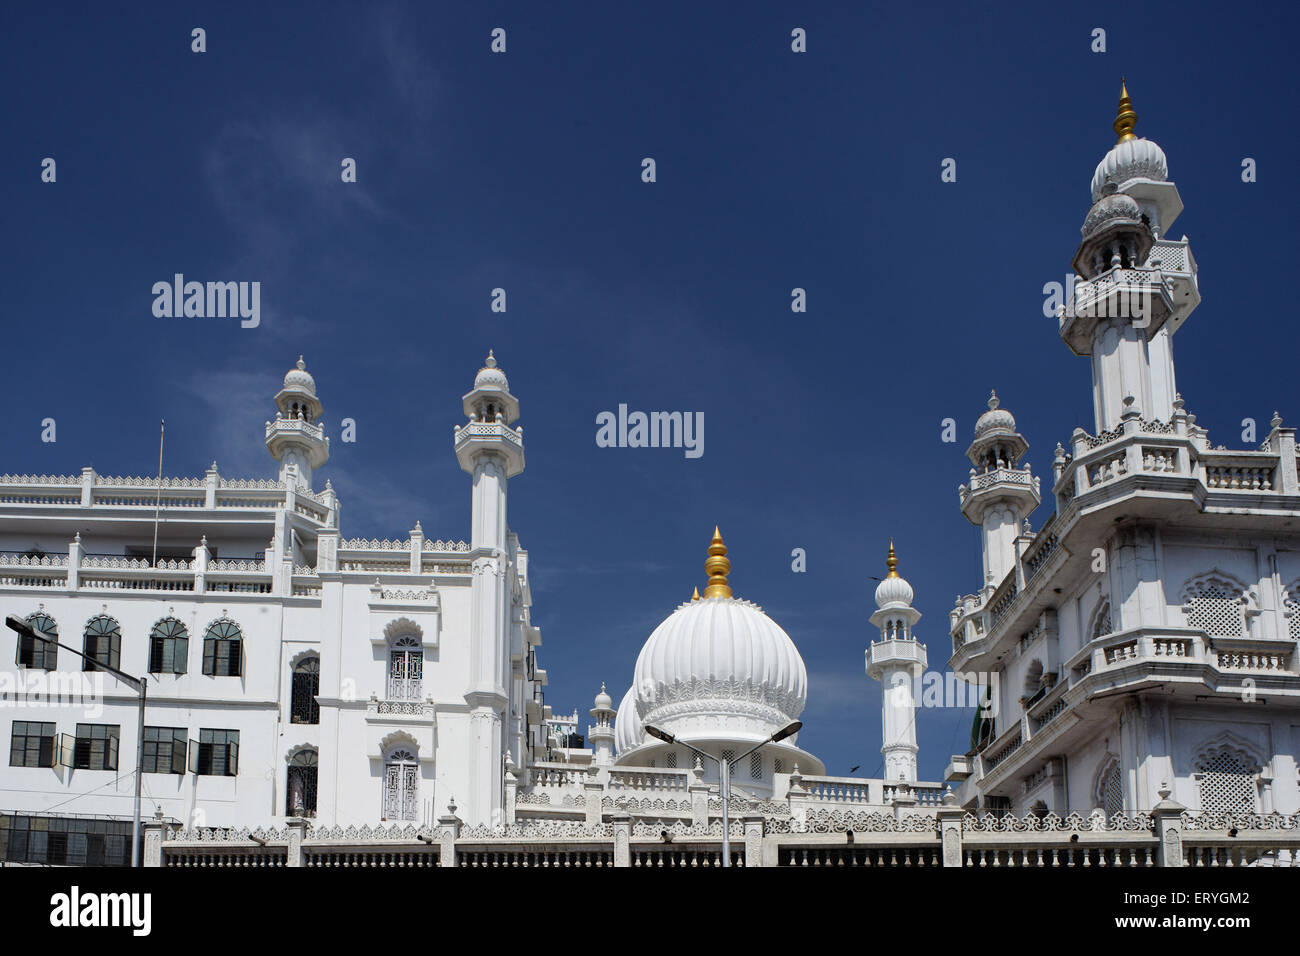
x=1216, y=610
x=1112, y=792
x=1226, y=785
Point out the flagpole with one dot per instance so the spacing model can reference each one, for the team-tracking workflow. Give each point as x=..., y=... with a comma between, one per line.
x=157, y=504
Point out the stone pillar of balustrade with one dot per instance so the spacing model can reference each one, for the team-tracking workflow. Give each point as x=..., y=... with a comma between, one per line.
x=622, y=837
x=74, y=562
x=949, y=817
x=211, y=482
x=798, y=798
x=593, y=793
x=153, y=840
x=87, y=487
x=327, y=551
x=1282, y=441
x=297, y=833
x=1167, y=820
x=450, y=824
x=417, y=547
x=511, y=784
x=753, y=823
x=201, y=558
x=699, y=794
x=283, y=581
x=904, y=800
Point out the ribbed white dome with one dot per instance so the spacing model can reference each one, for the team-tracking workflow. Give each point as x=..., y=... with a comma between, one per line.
x=996, y=418
x=298, y=378
x=489, y=376
x=1132, y=159
x=627, y=726
x=894, y=591
x=720, y=662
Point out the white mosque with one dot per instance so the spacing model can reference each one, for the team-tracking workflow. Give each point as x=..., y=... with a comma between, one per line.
x=1143, y=640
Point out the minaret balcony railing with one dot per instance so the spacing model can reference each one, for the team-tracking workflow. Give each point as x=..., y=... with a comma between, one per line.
x=285, y=427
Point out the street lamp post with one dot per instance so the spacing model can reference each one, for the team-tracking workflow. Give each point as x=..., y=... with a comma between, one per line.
x=26, y=630
x=724, y=772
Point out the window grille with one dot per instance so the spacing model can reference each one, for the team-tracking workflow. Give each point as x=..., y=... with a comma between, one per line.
x=223, y=650
x=300, y=795
x=169, y=645
x=401, y=786
x=1101, y=625
x=96, y=747
x=756, y=766
x=306, y=685
x=730, y=757
x=1216, y=609
x=406, y=669
x=670, y=760
x=103, y=644
x=39, y=654
x=1112, y=791
x=778, y=765
x=164, y=750
x=1293, y=622
x=1227, y=785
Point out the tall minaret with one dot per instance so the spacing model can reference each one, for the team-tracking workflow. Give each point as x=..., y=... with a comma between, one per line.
x=296, y=438
x=1135, y=287
x=897, y=660
x=601, y=734
x=1000, y=495
x=492, y=452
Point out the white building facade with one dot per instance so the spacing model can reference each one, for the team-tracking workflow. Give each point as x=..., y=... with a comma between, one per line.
x=1144, y=639
x=290, y=671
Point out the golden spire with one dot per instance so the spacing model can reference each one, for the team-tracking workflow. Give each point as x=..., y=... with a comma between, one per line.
x=717, y=566
x=1126, y=119
x=696, y=595
x=891, y=562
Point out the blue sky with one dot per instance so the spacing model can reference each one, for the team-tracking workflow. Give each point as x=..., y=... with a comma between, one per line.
x=522, y=171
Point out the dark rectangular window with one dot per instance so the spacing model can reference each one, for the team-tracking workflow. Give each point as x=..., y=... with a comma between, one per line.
x=218, y=753
x=164, y=750
x=37, y=654
x=167, y=654
x=104, y=648
x=32, y=744
x=222, y=656
x=96, y=747
x=58, y=841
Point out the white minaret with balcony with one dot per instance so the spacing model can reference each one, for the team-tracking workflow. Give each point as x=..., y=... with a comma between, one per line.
x=296, y=439
x=897, y=660
x=492, y=452
x=1135, y=288
x=1000, y=495
x=601, y=734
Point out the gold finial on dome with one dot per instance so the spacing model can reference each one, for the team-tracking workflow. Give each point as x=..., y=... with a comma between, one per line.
x=1126, y=119
x=891, y=562
x=717, y=566
x=696, y=595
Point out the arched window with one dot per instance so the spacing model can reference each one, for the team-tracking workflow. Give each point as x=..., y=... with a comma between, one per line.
x=306, y=685
x=1101, y=624
x=401, y=785
x=103, y=643
x=1109, y=793
x=1215, y=604
x=1227, y=781
x=169, y=645
x=405, y=668
x=223, y=649
x=39, y=654
x=300, y=794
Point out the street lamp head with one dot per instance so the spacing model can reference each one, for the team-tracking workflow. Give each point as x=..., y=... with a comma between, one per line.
x=659, y=733
x=789, y=730
x=22, y=627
